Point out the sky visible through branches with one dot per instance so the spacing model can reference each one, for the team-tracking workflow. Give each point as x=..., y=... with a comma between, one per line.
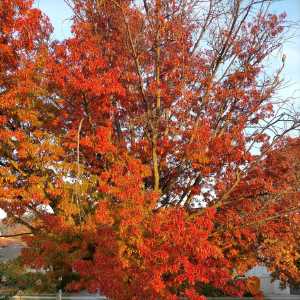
x=60, y=15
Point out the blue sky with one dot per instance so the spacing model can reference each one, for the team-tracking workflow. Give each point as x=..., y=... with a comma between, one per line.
x=59, y=14
x=291, y=48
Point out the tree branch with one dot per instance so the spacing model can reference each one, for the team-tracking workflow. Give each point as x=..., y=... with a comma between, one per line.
x=15, y=235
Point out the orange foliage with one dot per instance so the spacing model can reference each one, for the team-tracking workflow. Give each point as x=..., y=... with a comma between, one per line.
x=127, y=149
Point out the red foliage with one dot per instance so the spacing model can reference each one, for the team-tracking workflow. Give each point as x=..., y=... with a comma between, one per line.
x=127, y=149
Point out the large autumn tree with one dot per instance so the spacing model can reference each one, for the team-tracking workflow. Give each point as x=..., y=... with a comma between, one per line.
x=145, y=153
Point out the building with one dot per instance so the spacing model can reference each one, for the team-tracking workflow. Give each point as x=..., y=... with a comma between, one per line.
x=272, y=288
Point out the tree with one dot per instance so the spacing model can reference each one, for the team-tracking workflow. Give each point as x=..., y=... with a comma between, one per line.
x=26, y=150
x=144, y=181
x=14, y=278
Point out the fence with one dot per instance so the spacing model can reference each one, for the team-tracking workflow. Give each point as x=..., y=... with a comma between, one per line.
x=70, y=297
x=56, y=297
